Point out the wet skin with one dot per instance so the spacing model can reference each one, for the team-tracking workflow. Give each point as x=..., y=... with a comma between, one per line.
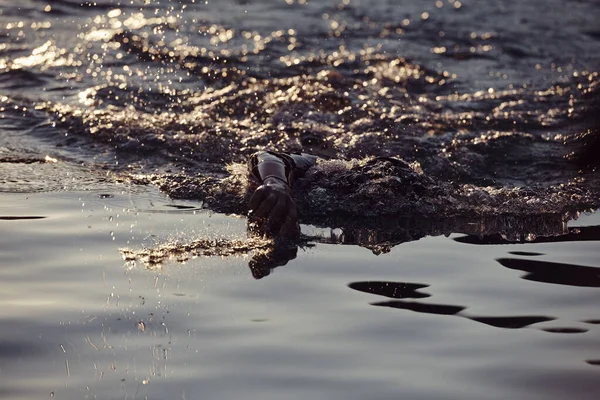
x=272, y=209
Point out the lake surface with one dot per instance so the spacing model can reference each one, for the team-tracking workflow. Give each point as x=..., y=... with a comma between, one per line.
x=436, y=318
x=449, y=247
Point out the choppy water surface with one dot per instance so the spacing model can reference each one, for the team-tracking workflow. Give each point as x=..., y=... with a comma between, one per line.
x=494, y=107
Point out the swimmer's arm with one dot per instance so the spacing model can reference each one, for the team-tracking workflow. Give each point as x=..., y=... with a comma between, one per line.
x=285, y=167
x=272, y=208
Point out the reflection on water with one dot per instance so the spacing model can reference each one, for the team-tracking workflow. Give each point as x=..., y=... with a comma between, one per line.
x=565, y=330
x=525, y=253
x=538, y=271
x=579, y=234
x=263, y=262
x=73, y=314
x=513, y=322
x=15, y=218
x=550, y=272
x=268, y=254
x=410, y=290
x=394, y=290
x=441, y=309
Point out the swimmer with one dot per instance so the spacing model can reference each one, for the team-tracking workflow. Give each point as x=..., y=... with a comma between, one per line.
x=272, y=210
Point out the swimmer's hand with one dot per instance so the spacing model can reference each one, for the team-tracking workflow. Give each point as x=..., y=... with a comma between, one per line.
x=272, y=209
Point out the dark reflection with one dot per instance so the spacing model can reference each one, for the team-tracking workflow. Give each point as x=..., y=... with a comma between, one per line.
x=592, y=321
x=440, y=309
x=16, y=218
x=511, y=322
x=394, y=290
x=565, y=330
x=526, y=253
x=401, y=290
x=183, y=207
x=263, y=262
x=593, y=362
x=381, y=235
x=377, y=235
x=549, y=272
x=388, y=233
x=580, y=234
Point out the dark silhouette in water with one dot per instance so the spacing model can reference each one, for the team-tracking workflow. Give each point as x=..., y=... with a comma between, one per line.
x=393, y=290
x=382, y=240
x=579, y=234
x=402, y=294
x=406, y=290
x=556, y=273
x=262, y=263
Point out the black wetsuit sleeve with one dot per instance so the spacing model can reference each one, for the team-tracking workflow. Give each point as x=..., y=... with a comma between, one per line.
x=292, y=165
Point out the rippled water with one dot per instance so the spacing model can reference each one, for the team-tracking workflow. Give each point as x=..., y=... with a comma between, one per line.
x=466, y=317
x=111, y=290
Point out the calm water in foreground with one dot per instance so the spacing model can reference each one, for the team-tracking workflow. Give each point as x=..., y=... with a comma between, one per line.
x=435, y=318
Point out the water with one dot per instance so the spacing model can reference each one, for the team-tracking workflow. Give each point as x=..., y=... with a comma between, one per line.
x=470, y=271
x=496, y=111
x=441, y=317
